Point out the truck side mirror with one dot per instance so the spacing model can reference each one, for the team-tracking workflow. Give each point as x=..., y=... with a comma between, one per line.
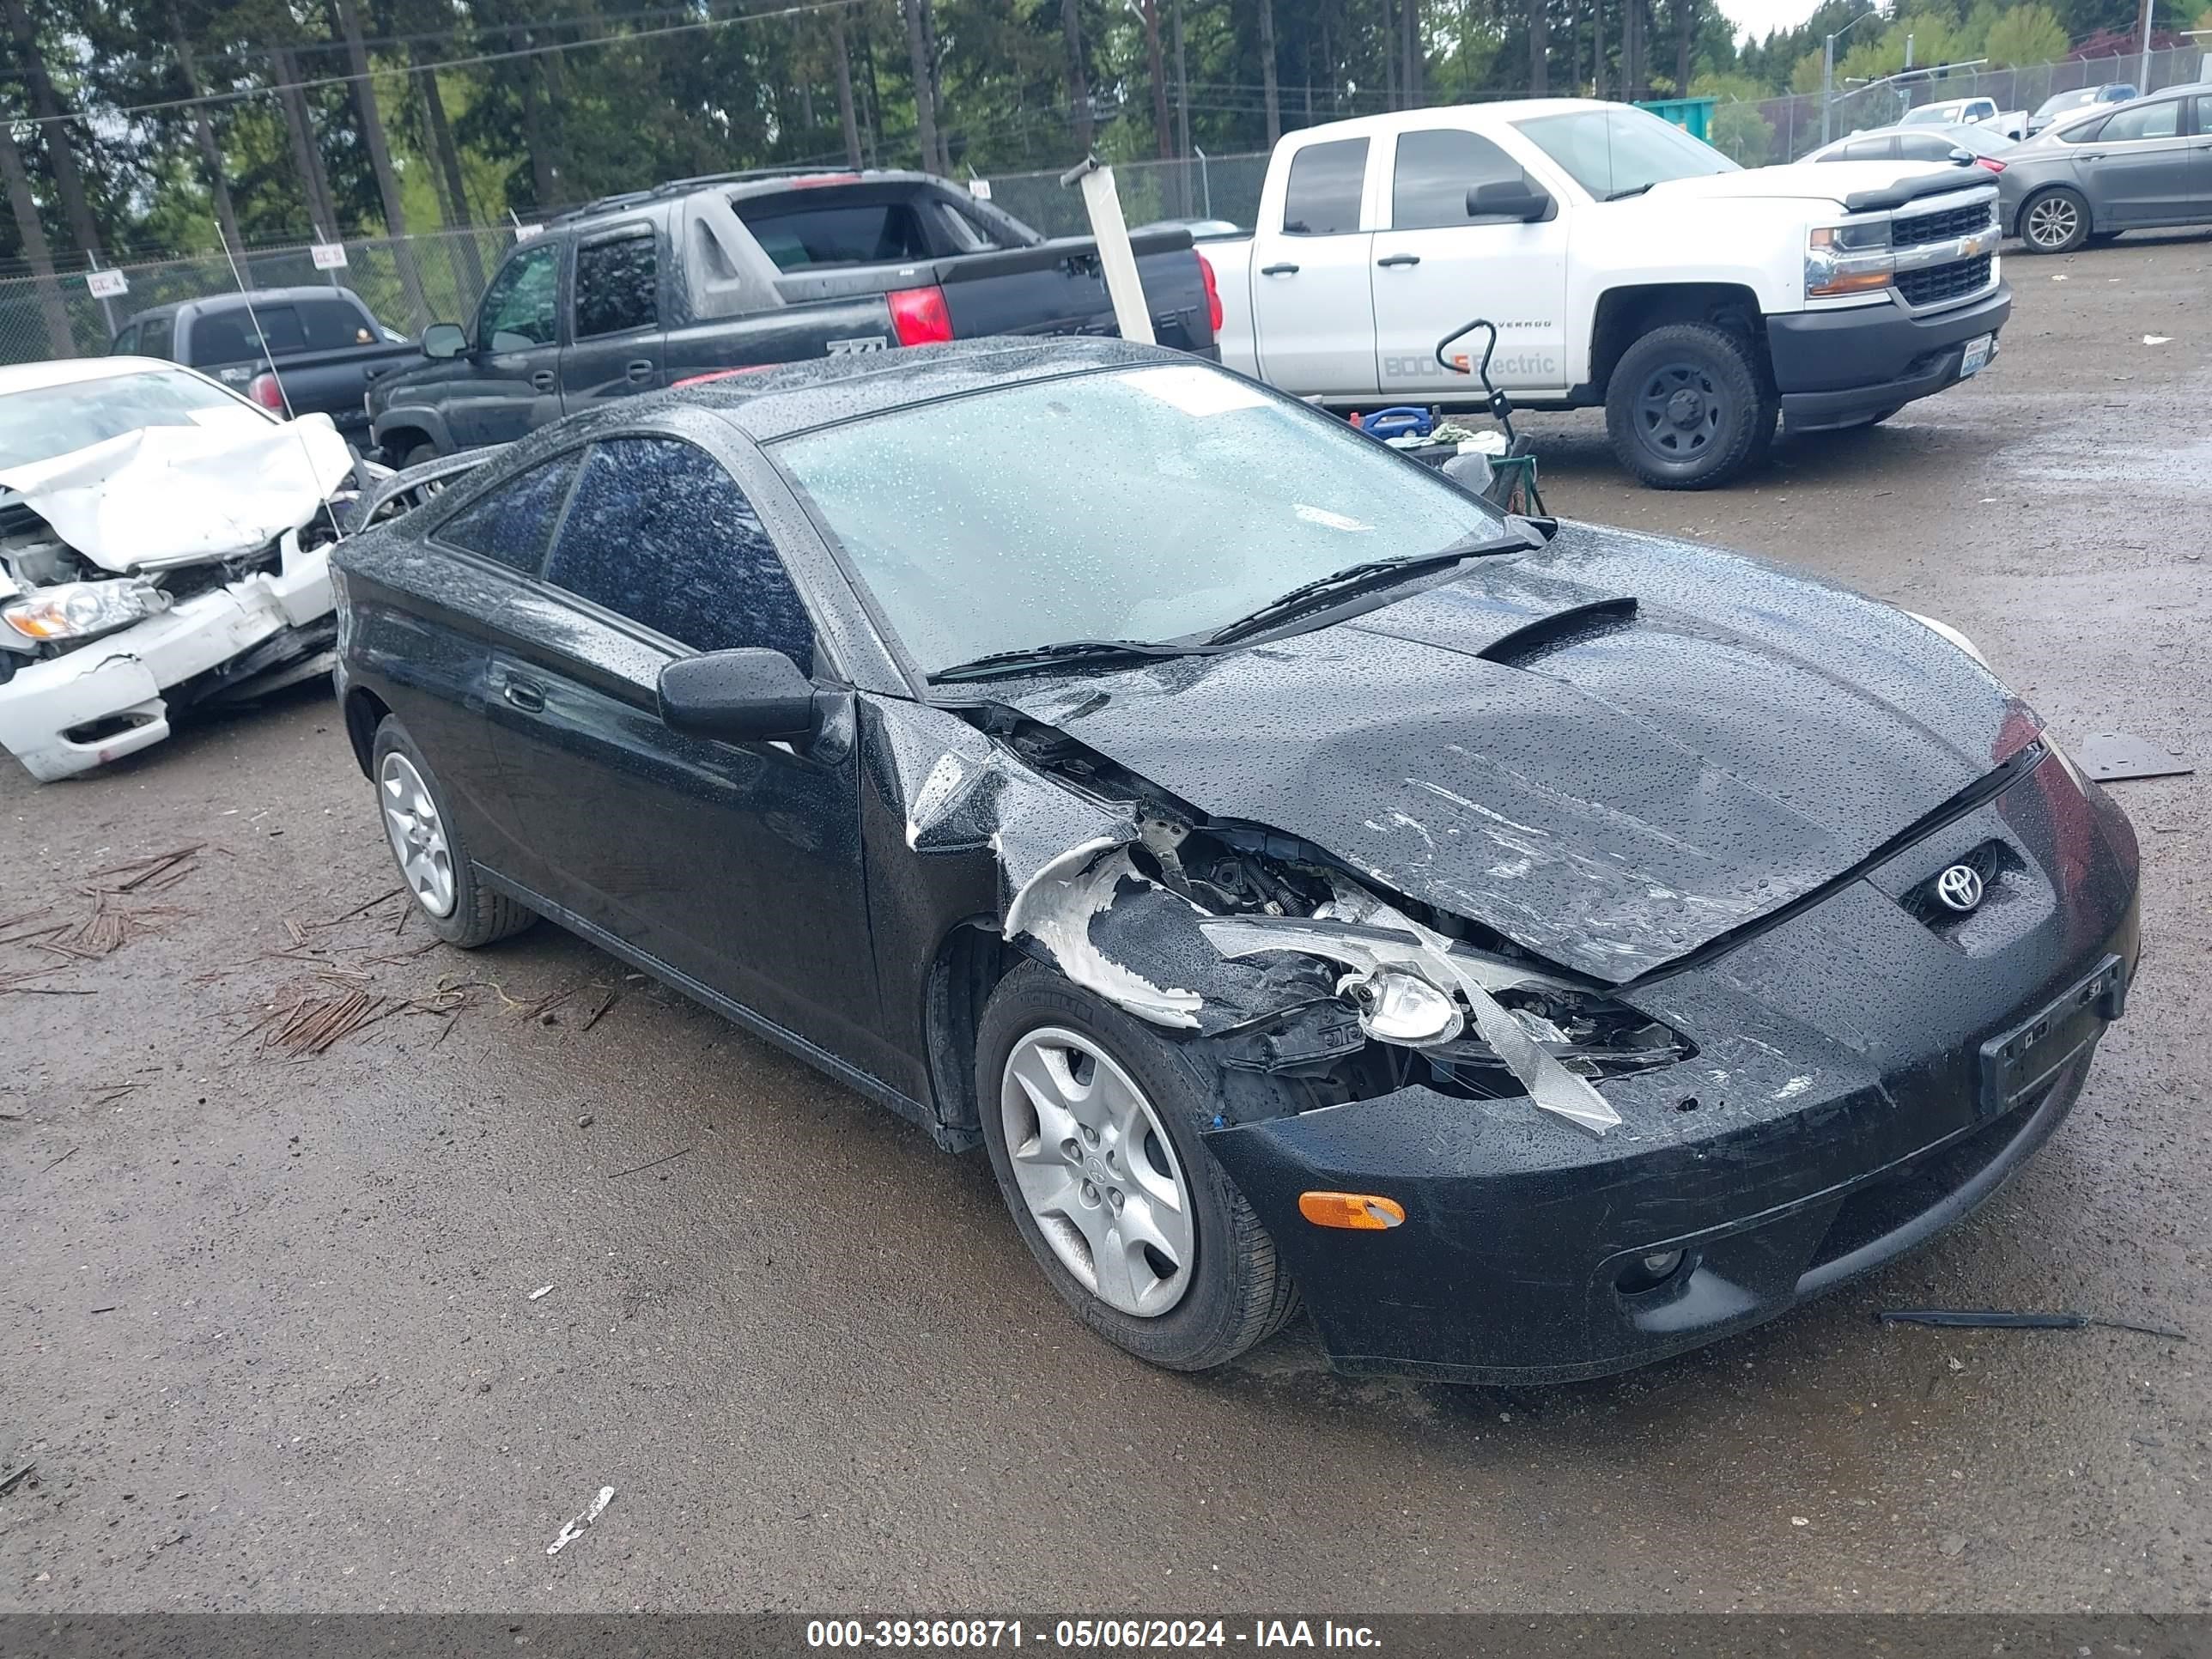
x=1508, y=199
x=444, y=340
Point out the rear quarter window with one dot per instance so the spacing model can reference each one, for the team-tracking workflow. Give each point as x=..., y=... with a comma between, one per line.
x=1322, y=195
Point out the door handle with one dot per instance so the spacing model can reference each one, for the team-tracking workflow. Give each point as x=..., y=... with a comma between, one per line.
x=639, y=372
x=1399, y=259
x=1278, y=270
x=526, y=694
x=542, y=379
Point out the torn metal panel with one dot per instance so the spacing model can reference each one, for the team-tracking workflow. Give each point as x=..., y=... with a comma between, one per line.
x=1055, y=909
x=166, y=494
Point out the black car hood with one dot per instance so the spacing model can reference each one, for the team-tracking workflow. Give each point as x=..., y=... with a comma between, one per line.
x=1611, y=789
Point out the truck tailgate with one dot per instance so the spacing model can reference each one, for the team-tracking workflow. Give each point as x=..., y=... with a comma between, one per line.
x=1058, y=287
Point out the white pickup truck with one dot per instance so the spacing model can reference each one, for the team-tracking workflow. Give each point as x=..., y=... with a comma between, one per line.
x=1970, y=113
x=1625, y=263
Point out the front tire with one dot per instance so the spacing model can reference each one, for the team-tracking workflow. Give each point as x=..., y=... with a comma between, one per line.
x=1091, y=1121
x=426, y=844
x=1689, y=407
x=2054, y=220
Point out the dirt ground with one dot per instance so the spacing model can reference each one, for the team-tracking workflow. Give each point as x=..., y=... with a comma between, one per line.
x=271, y=1326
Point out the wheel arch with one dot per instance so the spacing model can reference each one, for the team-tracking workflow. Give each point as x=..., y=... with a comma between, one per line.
x=970, y=960
x=1626, y=314
x=364, y=711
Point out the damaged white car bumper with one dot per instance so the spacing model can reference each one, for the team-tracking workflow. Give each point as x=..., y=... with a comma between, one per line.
x=68, y=715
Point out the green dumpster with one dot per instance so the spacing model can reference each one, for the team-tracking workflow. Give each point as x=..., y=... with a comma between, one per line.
x=1693, y=115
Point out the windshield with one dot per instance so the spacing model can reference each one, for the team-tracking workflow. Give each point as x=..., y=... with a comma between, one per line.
x=1148, y=504
x=1934, y=115
x=1613, y=149
x=43, y=421
x=2052, y=106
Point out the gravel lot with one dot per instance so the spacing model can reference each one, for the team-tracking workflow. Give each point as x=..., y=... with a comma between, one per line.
x=269, y=1336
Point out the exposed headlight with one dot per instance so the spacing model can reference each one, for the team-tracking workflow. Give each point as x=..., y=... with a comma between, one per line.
x=1953, y=635
x=1852, y=258
x=78, y=610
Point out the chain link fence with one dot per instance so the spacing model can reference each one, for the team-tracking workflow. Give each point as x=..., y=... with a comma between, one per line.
x=1210, y=187
x=409, y=283
x=1786, y=129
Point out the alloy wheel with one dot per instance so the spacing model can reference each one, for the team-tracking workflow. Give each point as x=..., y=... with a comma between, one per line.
x=417, y=834
x=1097, y=1172
x=2052, y=221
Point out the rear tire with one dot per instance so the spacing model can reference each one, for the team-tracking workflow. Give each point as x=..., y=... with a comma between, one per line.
x=416, y=455
x=2054, y=220
x=426, y=844
x=1689, y=407
x=1041, y=1037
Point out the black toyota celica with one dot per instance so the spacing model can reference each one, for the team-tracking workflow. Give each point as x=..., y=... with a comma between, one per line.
x=1537, y=949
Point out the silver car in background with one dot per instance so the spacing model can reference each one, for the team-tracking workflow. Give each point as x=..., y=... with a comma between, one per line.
x=2087, y=178
x=2063, y=105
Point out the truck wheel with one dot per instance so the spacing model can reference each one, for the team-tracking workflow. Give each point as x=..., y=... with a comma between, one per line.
x=1688, y=408
x=2054, y=220
x=416, y=455
x=1091, y=1121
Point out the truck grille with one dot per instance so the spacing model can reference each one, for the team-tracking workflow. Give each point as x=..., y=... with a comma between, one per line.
x=1936, y=284
x=1942, y=227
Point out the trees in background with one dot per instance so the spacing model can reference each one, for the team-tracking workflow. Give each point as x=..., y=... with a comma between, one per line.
x=130, y=125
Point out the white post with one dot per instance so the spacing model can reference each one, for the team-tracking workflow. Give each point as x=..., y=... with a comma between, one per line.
x=2142, y=72
x=1118, y=260
x=1827, y=84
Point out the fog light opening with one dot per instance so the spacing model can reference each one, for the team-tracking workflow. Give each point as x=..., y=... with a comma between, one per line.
x=1641, y=1274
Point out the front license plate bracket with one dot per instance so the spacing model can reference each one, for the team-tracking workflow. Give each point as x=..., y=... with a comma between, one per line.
x=2019, y=1062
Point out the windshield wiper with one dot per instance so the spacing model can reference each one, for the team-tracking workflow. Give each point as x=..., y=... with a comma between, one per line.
x=1038, y=656
x=1633, y=189
x=1375, y=572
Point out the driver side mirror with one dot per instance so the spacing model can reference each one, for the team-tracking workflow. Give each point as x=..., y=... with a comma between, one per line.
x=1508, y=199
x=443, y=340
x=749, y=695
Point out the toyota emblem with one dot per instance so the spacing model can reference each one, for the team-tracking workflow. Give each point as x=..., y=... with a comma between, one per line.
x=1960, y=889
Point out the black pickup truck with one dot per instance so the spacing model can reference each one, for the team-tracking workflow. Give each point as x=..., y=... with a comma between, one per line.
x=745, y=271
x=323, y=343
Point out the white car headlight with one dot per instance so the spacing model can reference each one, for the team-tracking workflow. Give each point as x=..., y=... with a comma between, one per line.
x=78, y=610
x=1854, y=258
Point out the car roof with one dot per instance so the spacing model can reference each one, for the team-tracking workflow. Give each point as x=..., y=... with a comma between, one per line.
x=756, y=181
x=29, y=377
x=826, y=391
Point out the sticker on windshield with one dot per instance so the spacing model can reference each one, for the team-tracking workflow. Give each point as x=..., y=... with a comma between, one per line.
x=1194, y=391
x=1322, y=516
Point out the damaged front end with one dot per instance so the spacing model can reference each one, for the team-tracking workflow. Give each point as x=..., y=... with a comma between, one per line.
x=121, y=605
x=1307, y=986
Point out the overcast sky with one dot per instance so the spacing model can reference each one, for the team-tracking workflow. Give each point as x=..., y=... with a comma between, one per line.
x=1758, y=18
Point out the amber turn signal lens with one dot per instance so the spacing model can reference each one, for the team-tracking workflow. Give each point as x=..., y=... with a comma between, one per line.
x=1361, y=1212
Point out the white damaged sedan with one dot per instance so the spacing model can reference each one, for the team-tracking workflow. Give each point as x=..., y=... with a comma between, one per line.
x=163, y=545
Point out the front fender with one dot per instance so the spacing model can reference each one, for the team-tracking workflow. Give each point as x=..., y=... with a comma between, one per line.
x=426, y=418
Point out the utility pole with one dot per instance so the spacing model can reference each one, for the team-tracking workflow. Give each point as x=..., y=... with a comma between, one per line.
x=2142, y=72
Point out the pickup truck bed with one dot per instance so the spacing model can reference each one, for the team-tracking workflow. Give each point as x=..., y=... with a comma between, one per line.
x=713, y=275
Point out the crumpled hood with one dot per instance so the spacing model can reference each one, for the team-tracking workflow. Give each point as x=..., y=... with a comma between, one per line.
x=177, y=492
x=1612, y=791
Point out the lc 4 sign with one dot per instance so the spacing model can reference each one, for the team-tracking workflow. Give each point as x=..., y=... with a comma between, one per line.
x=106, y=284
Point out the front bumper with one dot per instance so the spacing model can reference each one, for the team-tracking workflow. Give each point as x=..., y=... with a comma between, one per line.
x=1837, y=368
x=68, y=715
x=1833, y=1119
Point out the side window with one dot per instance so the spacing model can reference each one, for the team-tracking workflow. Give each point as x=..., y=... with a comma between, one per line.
x=126, y=343
x=330, y=324
x=155, y=337
x=659, y=533
x=518, y=309
x=1434, y=170
x=617, y=284
x=2159, y=120
x=1926, y=146
x=1323, y=197
x=2082, y=131
x=514, y=522
x=2204, y=117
